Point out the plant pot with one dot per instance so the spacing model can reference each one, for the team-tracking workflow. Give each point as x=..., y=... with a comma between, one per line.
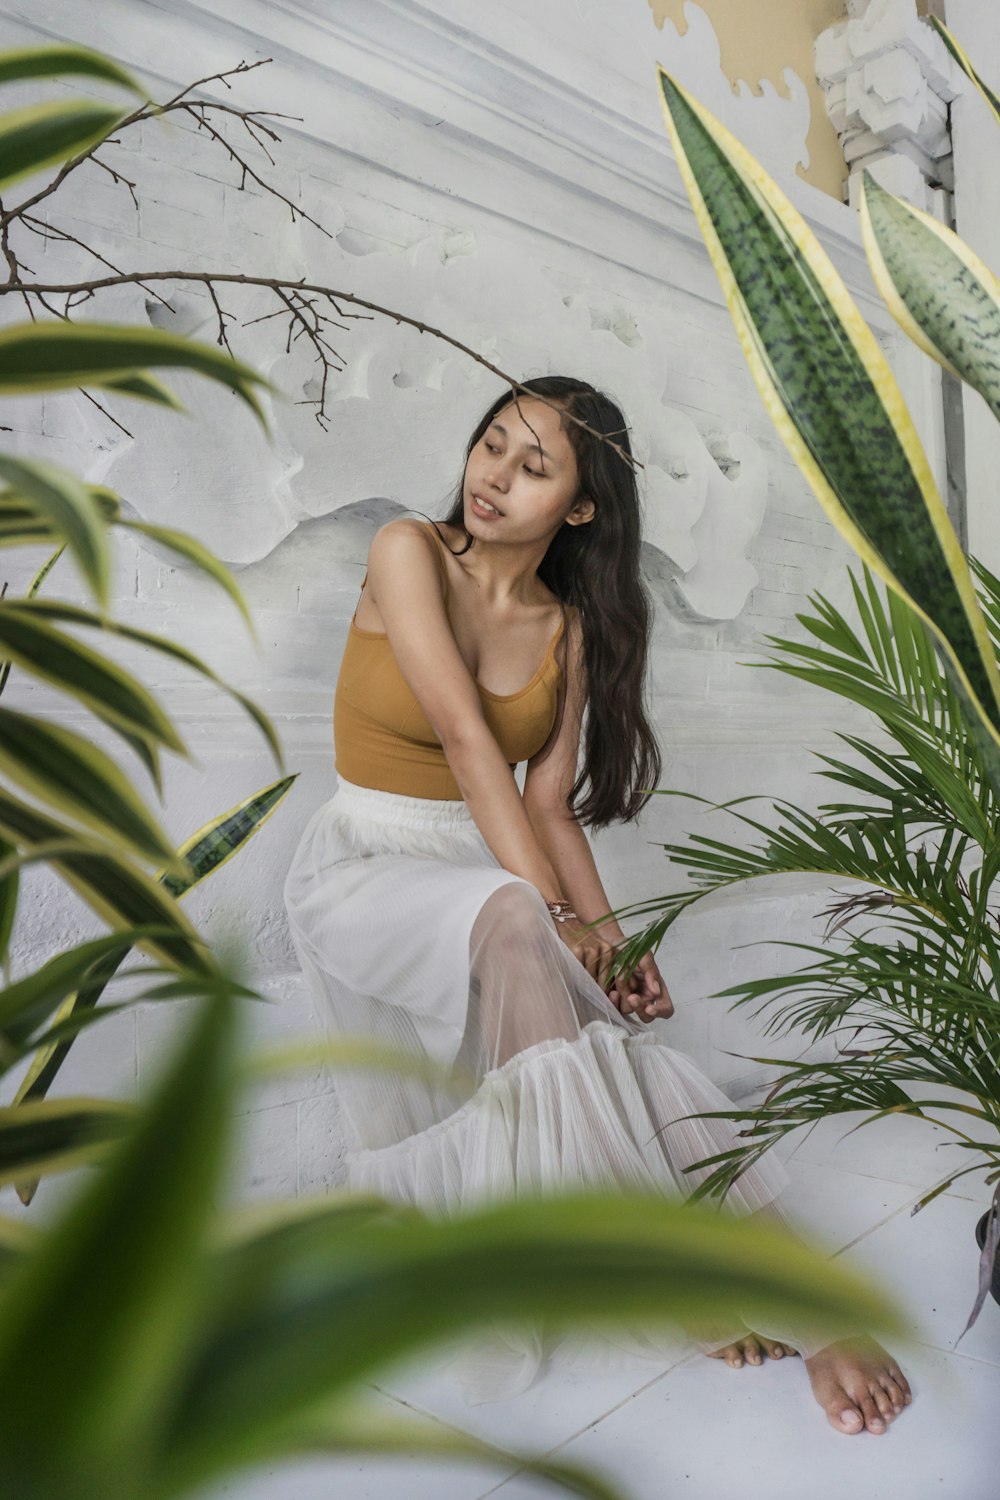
x=981, y=1241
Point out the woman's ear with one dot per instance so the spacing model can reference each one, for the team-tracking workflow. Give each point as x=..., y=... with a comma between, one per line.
x=583, y=511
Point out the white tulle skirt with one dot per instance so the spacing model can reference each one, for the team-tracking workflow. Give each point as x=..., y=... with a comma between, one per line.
x=410, y=933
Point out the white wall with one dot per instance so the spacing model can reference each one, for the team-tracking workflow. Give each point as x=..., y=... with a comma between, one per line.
x=504, y=173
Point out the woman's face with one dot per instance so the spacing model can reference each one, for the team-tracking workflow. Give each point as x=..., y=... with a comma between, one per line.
x=532, y=490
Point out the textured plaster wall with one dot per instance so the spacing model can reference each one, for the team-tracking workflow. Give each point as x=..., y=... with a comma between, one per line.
x=503, y=174
x=768, y=46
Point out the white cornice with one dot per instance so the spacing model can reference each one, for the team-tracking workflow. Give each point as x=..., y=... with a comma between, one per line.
x=436, y=93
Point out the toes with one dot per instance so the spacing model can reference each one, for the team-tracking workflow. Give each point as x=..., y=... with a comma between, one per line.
x=843, y=1415
x=883, y=1400
x=900, y=1380
x=773, y=1350
x=895, y=1394
x=731, y=1354
x=753, y=1352
x=874, y=1421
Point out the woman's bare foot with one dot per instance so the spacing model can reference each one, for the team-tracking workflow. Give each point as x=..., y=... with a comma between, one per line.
x=752, y=1349
x=858, y=1385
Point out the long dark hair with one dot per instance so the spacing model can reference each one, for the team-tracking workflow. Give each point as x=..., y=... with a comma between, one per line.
x=595, y=567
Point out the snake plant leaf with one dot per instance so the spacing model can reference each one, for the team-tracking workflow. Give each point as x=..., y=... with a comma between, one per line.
x=965, y=63
x=61, y=356
x=203, y=853
x=832, y=396
x=56, y=62
x=939, y=291
x=59, y=497
x=40, y=135
x=117, y=1288
x=77, y=779
x=57, y=609
x=114, y=695
x=196, y=552
x=57, y=1134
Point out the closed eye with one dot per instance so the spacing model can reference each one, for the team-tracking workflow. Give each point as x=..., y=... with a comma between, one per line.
x=535, y=473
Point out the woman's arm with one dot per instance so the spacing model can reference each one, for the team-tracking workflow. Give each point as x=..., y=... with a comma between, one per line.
x=405, y=582
x=568, y=849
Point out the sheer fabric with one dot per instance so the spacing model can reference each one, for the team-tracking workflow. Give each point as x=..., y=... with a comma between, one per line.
x=409, y=932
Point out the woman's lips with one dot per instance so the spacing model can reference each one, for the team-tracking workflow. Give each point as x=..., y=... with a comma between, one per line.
x=487, y=515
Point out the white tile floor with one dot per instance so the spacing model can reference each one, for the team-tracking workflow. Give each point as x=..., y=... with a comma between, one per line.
x=698, y=1430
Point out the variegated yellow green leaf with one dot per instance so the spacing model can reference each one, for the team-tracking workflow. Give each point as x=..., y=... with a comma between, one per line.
x=77, y=778
x=195, y=552
x=832, y=396
x=72, y=614
x=35, y=585
x=57, y=1134
x=941, y=294
x=209, y=848
x=62, y=499
x=59, y=356
x=42, y=134
x=116, y=696
x=964, y=62
x=10, y=885
x=56, y=62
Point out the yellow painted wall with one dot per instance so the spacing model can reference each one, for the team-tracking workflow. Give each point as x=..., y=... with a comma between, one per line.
x=759, y=39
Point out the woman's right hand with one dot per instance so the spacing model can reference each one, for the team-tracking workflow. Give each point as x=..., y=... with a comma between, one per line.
x=593, y=951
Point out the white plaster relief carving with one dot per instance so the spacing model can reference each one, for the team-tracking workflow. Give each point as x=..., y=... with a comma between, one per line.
x=888, y=81
x=399, y=415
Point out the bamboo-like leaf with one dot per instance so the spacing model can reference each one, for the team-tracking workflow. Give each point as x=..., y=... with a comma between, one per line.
x=60, y=356
x=310, y=1307
x=833, y=398
x=356, y=1432
x=195, y=552
x=55, y=62
x=114, y=695
x=66, y=502
x=964, y=62
x=27, y=1003
x=118, y=1290
x=941, y=294
x=144, y=388
x=55, y=1135
x=204, y=853
x=72, y=614
x=77, y=778
x=40, y=135
x=121, y=894
x=10, y=885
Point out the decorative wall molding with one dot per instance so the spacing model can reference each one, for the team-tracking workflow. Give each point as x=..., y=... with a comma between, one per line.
x=888, y=81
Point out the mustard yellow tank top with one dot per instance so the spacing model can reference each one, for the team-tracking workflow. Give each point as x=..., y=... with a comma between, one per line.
x=383, y=739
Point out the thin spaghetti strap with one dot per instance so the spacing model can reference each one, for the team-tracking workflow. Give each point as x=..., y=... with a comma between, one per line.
x=356, y=607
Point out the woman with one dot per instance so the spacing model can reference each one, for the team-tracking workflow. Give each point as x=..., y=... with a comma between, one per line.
x=435, y=907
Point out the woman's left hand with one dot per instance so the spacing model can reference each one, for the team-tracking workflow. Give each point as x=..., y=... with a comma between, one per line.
x=643, y=992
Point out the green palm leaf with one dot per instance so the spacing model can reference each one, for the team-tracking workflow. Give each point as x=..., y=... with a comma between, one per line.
x=42, y=134
x=61, y=356
x=941, y=294
x=833, y=398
